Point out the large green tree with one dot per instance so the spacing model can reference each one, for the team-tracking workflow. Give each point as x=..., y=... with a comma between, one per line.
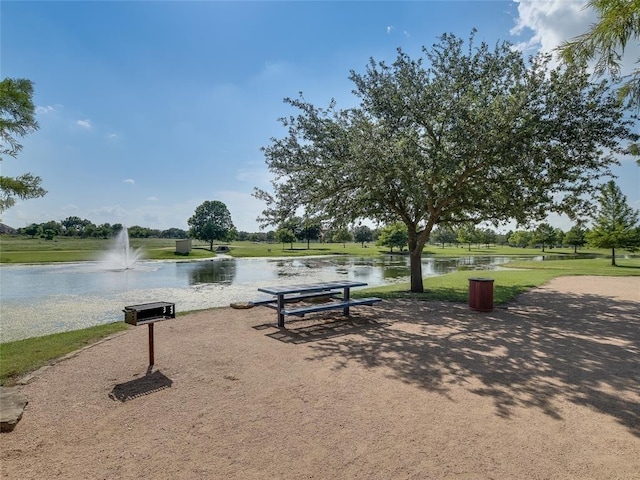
x=393, y=235
x=520, y=238
x=616, y=225
x=544, y=234
x=443, y=234
x=362, y=234
x=468, y=233
x=17, y=119
x=285, y=235
x=342, y=235
x=310, y=229
x=605, y=42
x=576, y=236
x=463, y=134
x=210, y=222
x=74, y=225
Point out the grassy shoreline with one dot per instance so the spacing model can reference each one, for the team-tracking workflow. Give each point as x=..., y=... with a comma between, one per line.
x=23, y=356
x=21, y=250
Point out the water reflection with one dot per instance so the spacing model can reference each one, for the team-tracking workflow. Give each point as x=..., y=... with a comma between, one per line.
x=397, y=267
x=396, y=272
x=374, y=270
x=223, y=271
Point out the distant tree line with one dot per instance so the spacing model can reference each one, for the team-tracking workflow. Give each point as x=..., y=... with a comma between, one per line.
x=615, y=225
x=83, y=228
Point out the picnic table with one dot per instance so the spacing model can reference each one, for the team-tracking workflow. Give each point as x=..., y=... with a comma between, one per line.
x=337, y=290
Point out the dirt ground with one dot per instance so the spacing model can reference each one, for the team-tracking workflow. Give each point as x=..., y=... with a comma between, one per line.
x=546, y=387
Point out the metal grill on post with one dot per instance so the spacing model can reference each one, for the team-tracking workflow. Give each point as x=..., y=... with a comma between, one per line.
x=148, y=314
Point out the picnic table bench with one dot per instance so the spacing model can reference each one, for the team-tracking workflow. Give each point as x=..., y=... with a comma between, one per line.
x=336, y=290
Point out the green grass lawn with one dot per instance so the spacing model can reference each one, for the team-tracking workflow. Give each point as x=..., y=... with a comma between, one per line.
x=454, y=287
x=249, y=249
x=23, y=356
x=519, y=277
x=463, y=250
x=19, y=249
x=69, y=249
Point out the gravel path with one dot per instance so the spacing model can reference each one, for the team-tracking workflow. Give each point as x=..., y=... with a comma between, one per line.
x=546, y=387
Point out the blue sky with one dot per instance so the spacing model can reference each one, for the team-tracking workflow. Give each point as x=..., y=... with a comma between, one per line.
x=147, y=109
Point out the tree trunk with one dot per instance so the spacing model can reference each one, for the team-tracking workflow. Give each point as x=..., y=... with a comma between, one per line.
x=415, y=257
x=415, y=260
x=211, y=245
x=613, y=257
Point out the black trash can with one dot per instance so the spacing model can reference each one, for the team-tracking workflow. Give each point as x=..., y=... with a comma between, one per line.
x=481, y=294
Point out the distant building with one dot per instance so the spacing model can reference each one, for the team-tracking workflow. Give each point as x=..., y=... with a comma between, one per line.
x=183, y=246
x=7, y=229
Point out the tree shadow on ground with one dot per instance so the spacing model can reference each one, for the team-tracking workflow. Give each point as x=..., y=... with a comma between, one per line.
x=535, y=352
x=322, y=330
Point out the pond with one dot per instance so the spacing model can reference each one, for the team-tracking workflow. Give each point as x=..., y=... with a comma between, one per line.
x=42, y=299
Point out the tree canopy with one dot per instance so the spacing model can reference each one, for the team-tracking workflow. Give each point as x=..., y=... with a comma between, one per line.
x=462, y=134
x=362, y=234
x=285, y=235
x=468, y=233
x=616, y=225
x=605, y=42
x=443, y=235
x=393, y=235
x=342, y=235
x=309, y=229
x=576, y=236
x=212, y=221
x=545, y=234
x=17, y=119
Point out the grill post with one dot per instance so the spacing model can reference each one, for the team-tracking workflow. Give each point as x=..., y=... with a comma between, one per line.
x=151, y=345
x=149, y=313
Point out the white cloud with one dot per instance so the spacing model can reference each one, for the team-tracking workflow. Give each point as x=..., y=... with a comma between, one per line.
x=112, y=136
x=153, y=215
x=86, y=124
x=42, y=110
x=152, y=199
x=244, y=209
x=276, y=68
x=129, y=180
x=107, y=214
x=150, y=219
x=390, y=29
x=552, y=22
x=258, y=177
